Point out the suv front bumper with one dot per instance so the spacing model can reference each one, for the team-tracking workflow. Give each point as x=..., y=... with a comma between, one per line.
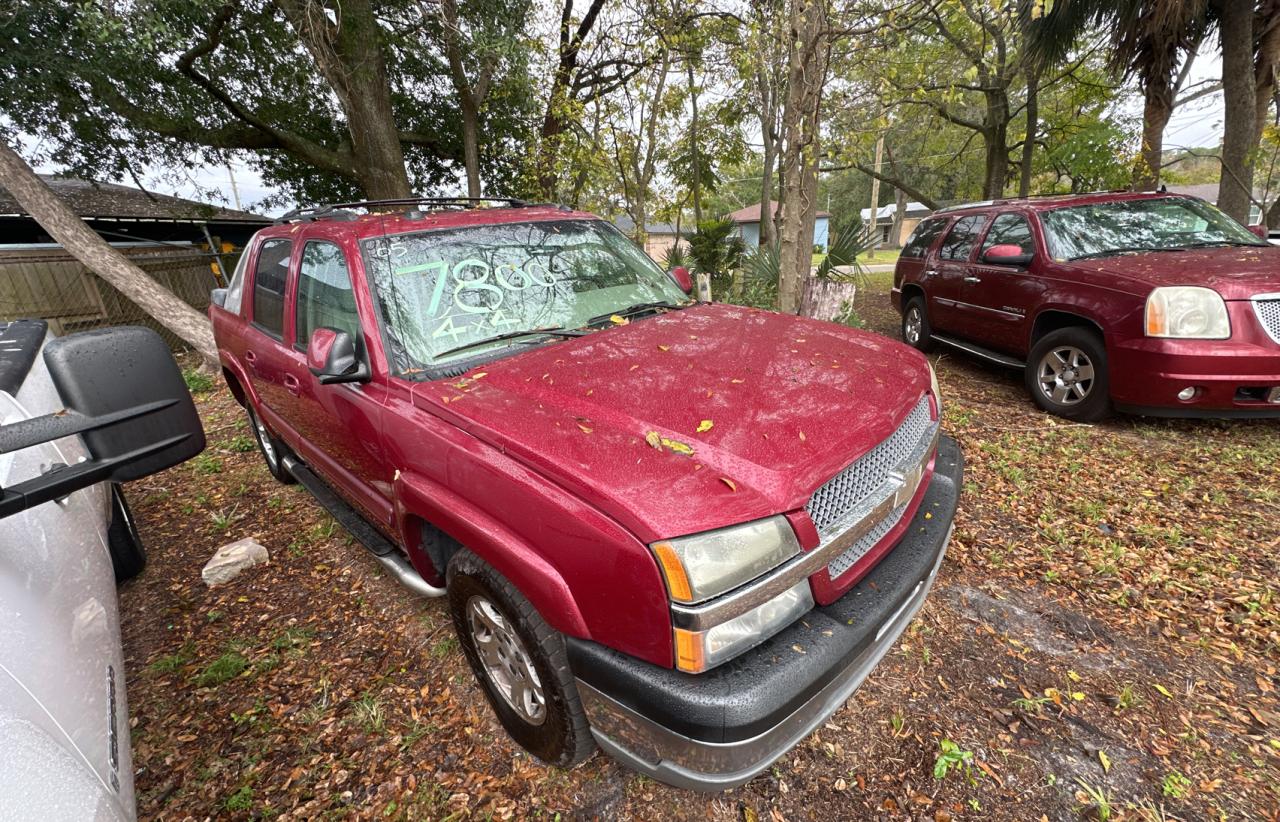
x=717, y=730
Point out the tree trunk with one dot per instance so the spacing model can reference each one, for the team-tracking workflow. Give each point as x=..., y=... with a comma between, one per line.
x=95, y=254
x=1240, y=108
x=555, y=120
x=693, y=145
x=348, y=53
x=470, y=143
x=1033, y=124
x=1157, y=108
x=899, y=214
x=470, y=97
x=807, y=77
x=768, y=121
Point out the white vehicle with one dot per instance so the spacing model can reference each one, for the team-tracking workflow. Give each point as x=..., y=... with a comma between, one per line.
x=79, y=415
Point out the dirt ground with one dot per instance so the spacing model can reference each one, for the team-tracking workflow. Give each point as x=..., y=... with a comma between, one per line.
x=1102, y=643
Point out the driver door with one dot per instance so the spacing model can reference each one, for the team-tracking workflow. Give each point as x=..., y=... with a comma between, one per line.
x=998, y=298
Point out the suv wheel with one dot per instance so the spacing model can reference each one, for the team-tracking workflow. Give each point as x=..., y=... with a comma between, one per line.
x=916, y=331
x=272, y=449
x=128, y=557
x=520, y=661
x=1067, y=374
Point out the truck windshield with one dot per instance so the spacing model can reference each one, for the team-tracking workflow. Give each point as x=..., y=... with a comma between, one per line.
x=1156, y=224
x=441, y=290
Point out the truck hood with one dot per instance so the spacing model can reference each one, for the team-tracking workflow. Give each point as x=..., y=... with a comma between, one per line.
x=692, y=420
x=1237, y=273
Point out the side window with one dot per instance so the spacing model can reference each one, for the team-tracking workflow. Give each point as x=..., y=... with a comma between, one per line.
x=235, y=288
x=268, y=286
x=325, y=299
x=1010, y=229
x=922, y=238
x=964, y=234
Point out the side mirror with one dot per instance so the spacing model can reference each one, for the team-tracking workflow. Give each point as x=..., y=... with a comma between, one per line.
x=333, y=358
x=1007, y=255
x=125, y=397
x=1260, y=230
x=683, y=278
x=218, y=297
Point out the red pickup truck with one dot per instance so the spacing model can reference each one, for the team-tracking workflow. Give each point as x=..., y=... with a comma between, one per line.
x=682, y=532
x=1151, y=303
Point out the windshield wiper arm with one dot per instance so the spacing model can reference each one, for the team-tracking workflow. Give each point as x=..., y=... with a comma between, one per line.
x=1214, y=243
x=633, y=309
x=1137, y=249
x=553, y=331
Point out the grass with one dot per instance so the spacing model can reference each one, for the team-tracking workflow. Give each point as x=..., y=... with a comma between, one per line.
x=198, y=380
x=228, y=666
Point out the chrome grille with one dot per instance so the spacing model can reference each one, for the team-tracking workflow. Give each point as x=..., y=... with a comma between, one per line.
x=841, y=494
x=860, y=548
x=1268, y=312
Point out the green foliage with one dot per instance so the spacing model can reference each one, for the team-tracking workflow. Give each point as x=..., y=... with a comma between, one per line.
x=1175, y=785
x=759, y=285
x=228, y=666
x=675, y=257
x=950, y=756
x=851, y=241
x=716, y=249
x=241, y=800
x=198, y=380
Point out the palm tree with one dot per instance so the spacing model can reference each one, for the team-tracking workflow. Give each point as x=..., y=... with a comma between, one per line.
x=1152, y=41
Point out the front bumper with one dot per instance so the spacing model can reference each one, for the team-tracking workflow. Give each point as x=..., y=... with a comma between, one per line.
x=717, y=730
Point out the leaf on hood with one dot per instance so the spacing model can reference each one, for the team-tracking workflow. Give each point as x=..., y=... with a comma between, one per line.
x=678, y=447
x=705, y=425
x=634, y=367
x=653, y=439
x=733, y=486
x=737, y=381
x=585, y=424
x=479, y=375
x=616, y=320
x=802, y=436
x=664, y=348
x=586, y=429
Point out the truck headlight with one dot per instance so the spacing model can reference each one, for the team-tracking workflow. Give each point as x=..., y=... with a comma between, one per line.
x=705, y=565
x=1188, y=312
x=698, y=651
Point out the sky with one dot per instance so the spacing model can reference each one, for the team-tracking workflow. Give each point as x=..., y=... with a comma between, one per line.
x=1198, y=124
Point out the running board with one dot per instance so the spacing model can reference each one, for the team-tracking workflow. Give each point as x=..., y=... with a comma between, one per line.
x=979, y=351
x=370, y=537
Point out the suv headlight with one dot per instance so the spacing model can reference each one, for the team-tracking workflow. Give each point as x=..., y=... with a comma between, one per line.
x=1188, y=312
x=702, y=566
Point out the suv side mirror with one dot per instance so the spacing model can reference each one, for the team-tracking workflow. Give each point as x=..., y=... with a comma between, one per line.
x=683, y=278
x=125, y=397
x=1260, y=230
x=1007, y=255
x=333, y=358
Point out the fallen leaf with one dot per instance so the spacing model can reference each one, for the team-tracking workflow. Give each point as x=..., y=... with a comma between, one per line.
x=616, y=320
x=1162, y=689
x=802, y=436
x=664, y=348
x=1105, y=760
x=585, y=428
x=733, y=486
x=705, y=425
x=737, y=380
x=653, y=439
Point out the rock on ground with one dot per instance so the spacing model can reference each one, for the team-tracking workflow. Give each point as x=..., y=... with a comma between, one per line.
x=229, y=560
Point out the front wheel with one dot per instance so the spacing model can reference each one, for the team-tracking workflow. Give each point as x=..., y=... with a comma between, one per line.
x=128, y=557
x=272, y=449
x=1067, y=374
x=520, y=661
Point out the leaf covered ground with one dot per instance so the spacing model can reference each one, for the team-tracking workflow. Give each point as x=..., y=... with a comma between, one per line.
x=1102, y=642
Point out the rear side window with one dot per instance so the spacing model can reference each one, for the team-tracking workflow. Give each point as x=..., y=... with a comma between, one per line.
x=922, y=238
x=1010, y=229
x=325, y=299
x=268, y=285
x=964, y=234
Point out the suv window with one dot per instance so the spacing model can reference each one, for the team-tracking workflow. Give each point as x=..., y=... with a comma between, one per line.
x=325, y=298
x=922, y=238
x=1010, y=229
x=959, y=243
x=268, y=285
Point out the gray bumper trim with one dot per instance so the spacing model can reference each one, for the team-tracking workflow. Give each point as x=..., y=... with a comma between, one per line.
x=667, y=756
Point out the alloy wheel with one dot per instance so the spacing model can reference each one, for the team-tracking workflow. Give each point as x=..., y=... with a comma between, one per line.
x=506, y=662
x=1065, y=375
x=911, y=329
x=264, y=440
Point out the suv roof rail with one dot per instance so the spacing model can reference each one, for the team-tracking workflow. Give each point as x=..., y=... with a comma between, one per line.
x=340, y=211
x=1007, y=200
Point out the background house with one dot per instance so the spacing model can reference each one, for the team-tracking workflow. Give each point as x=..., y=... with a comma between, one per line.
x=184, y=245
x=748, y=223
x=885, y=234
x=659, y=237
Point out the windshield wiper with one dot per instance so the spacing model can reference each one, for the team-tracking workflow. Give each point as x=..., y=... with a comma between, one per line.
x=1215, y=243
x=553, y=331
x=630, y=310
x=1137, y=249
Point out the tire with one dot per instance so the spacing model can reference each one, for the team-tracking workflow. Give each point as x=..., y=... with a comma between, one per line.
x=1067, y=374
x=510, y=648
x=128, y=556
x=916, y=331
x=270, y=447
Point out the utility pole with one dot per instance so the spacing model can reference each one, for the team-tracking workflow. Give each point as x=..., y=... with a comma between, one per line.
x=875, y=198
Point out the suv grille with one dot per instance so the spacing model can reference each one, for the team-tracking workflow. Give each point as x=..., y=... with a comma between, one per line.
x=1268, y=312
x=842, y=493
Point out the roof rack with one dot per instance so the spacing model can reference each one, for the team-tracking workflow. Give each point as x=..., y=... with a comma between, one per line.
x=341, y=211
x=1007, y=200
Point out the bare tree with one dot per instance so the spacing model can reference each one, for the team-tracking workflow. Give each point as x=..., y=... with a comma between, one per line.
x=95, y=254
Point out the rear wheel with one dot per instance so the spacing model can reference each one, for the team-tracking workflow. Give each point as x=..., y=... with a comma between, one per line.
x=128, y=556
x=520, y=662
x=916, y=331
x=272, y=449
x=1067, y=374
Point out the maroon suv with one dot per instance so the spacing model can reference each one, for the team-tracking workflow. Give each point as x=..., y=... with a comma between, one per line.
x=1146, y=302
x=683, y=532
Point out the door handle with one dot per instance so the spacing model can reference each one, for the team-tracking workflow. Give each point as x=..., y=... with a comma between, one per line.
x=292, y=385
x=931, y=273
x=250, y=357
x=973, y=279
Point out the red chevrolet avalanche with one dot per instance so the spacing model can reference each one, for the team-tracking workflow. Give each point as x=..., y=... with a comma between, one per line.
x=1145, y=302
x=682, y=532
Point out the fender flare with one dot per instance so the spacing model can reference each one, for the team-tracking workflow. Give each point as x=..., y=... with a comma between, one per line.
x=539, y=581
x=232, y=368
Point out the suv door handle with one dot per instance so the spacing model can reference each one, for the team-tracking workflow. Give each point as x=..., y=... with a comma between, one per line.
x=973, y=279
x=931, y=273
x=250, y=357
x=292, y=385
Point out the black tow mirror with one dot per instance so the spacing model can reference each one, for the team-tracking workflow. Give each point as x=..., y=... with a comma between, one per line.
x=333, y=357
x=125, y=397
